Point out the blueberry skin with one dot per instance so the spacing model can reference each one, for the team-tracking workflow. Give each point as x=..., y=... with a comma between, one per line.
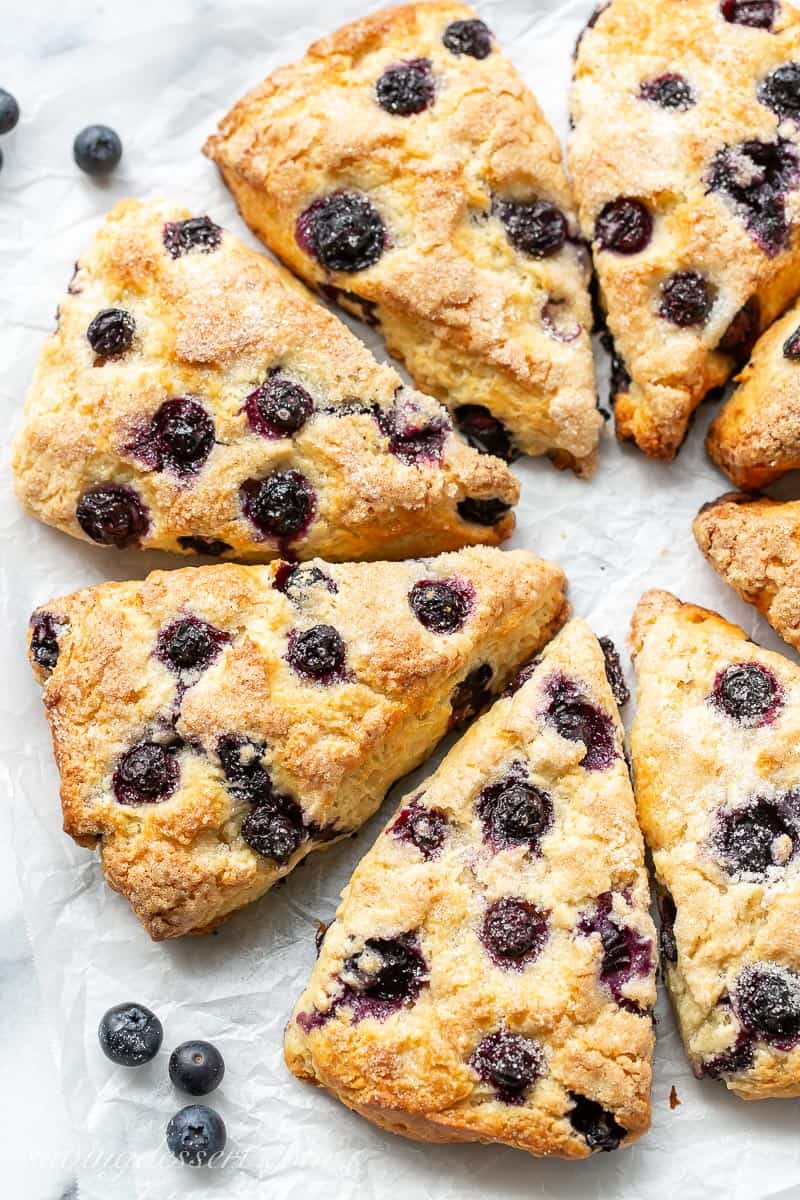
x=9, y=111
x=196, y=1134
x=196, y=1068
x=130, y=1034
x=97, y=149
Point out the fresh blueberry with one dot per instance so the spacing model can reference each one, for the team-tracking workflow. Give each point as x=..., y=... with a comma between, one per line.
x=112, y=515
x=514, y=931
x=470, y=696
x=213, y=547
x=196, y=1068
x=146, y=774
x=758, y=14
x=624, y=226
x=536, y=228
x=9, y=111
x=514, y=812
x=190, y=644
x=406, y=88
x=244, y=770
x=510, y=1062
x=755, y=837
x=278, y=408
x=45, y=631
x=442, y=606
x=97, y=149
x=424, y=828
x=482, y=512
x=668, y=91
x=766, y=1000
x=196, y=233
x=575, y=718
x=780, y=91
x=686, y=299
x=196, y=1135
x=111, y=332
x=748, y=693
x=130, y=1035
x=484, y=432
x=318, y=653
x=468, y=37
x=343, y=231
x=614, y=675
x=598, y=1126
x=741, y=335
x=791, y=347
x=280, y=505
x=754, y=177
x=626, y=953
x=275, y=829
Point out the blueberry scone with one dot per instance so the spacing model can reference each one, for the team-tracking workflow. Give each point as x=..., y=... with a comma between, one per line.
x=489, y=975
x=756, y=436
x=753, y=543
x=716, y=762
x=196, y=398
x=403, y=168
x=685, y=155
x=214, y=725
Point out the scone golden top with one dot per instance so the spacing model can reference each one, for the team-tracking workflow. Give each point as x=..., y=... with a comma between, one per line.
x=215, y=724
x=685, y=155
x=490, y=972
x=195, y=397
x=754, y=544
x=756, y=436
x=716, y=759
x=404, y=166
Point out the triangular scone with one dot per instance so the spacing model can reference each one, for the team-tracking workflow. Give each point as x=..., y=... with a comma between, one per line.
x=754, y=544
x=756, y=436
x=686, y=162
x=195, y=397
x=716, y=760
x=489, y=975
x=214, y=725
x=404, y=168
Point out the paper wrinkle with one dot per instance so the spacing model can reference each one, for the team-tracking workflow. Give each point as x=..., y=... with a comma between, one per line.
x=163, y=86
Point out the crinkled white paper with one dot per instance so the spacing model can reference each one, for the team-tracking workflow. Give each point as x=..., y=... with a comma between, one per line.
x=162, y=73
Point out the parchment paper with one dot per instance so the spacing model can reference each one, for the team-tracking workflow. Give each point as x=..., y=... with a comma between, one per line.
x=162, y=74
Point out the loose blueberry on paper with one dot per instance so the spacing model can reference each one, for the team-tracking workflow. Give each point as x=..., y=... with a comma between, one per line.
x=196, y=1067
x=130, y=1035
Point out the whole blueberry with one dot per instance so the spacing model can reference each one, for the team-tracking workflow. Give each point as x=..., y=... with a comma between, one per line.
x=280, y=505
x=275, y=829
x=97, y=149
x=686, y=299
x=510, y=1062
x=468, y=37
x=182, y=435
x=670, y=91
x=343, y=231
x=9, y=111
x=148, y=773
x=748, y=693
x=189, y=644
x=537, y=228
x=624, y=226
x=130, y=1034
x=406, y=88
x=278, y=408
x=597, y=1125
x=195, y=233
x=196, y=1134
x=442, y=606
x=196, y=1068
x=112, y=515
x=780, y=91
x=767, y=1002
x=317, y=653
x=758, y=14
x=513, y=811
x=111, y=332
x=45, y=631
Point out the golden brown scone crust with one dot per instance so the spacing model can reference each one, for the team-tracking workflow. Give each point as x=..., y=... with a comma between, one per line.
x=624, y=146
x=690, y=759
x=754, y=544
x=408, y=1070
x=756, y=436
x=333, y=748
x=213, y=325
x=456, y=302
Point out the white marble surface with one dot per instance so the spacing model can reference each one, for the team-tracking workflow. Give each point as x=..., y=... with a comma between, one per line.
x=161, y=72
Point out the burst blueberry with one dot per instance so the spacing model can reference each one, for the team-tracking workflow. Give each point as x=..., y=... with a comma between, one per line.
x=390, y=969
x=482, y=512
x=595, y=1124
x=766, y=1000
x=741, y=335
x=748, y=693
x=45, y=632
x=244, y=770
x=757, y=14
x=484, y=432
x=780, y=91
x=196, y=233
x=577, y=719
x=756, y=837
x=470, y=696
x=791, y=347
x=424, y=828
x=754, y=177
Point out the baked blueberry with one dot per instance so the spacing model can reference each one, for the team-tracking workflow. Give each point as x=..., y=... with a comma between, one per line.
x=9, y=111
x=196, y=1068
x=484, y=432
x=791, y=347
x=112, y=515
x=196, y=233
x=45, y=631
x=406, y=88
x=514, y=931
x=190, y=644
x=780, y=91
x=275, y=829
x=668, y=913
x=614, y=675
x=343, y=231
x=620, y=381
x=111, y=332
x=470, y=696
x=626, y=953
x=754, y=177
x=468, y=37
x=318, y=653
x=559, y=321
x=482, y=512
x=510, y=1062
x=146, y=774
x=598, y=1126
x=748, y=693
x=441, y=605
x=295, y=579
x=414, y=435
x=624, y=226
x=733, y=1061
x=686, y=299
x=278, y=408
x=536, y=228
x=97, y=149
x=741, y=335
x=390, y=969
x=130, y=1034
x=513, y=811
x=242, y=764
x=758, y=14
x=425, y=828
x=281, y=505
x=196, y=1135
x=213, y=547
x=182, y=434
x=575, y=718
x=670, y=91
x=766, y=999
x=755, y=837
